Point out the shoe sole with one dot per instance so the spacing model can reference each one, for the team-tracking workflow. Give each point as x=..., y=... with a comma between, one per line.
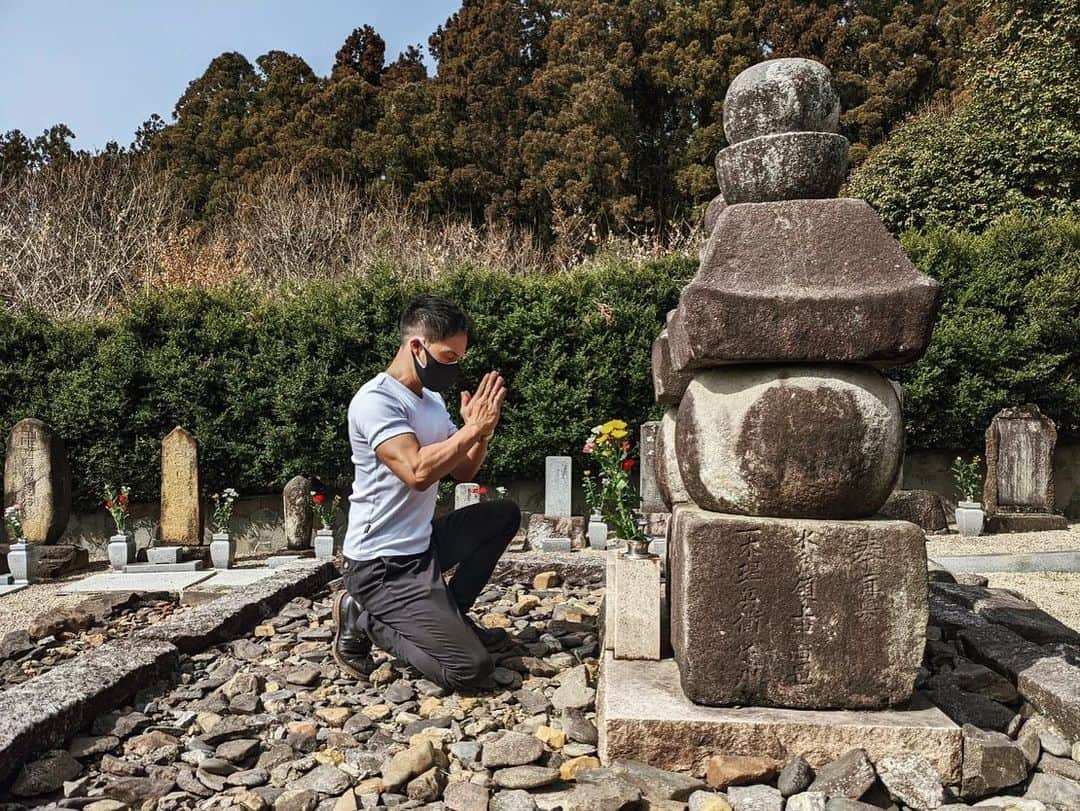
x=342, y=663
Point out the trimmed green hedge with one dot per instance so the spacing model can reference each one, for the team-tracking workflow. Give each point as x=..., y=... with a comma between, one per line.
x=264, y=383
x=1008, y=331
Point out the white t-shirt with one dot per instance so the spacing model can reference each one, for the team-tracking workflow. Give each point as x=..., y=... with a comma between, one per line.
x=386, y=516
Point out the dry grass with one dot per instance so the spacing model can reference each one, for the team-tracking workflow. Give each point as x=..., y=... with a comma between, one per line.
x=85, y=237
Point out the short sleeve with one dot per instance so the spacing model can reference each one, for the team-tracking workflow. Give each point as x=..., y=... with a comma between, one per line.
x=451, y=429
x=379, y=417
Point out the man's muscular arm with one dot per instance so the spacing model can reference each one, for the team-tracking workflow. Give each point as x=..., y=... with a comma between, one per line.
x=420, y=467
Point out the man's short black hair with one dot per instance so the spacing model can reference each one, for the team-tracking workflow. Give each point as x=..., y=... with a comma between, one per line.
x=434, y=317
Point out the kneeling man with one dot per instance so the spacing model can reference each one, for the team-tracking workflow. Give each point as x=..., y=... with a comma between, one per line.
x=403, y=442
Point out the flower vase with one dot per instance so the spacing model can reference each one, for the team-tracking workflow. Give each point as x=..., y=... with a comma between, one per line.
x=22, y=560
x=222, y=550
x=121, y=551
x=324, y=544
x=598, y=532
x=969, y=518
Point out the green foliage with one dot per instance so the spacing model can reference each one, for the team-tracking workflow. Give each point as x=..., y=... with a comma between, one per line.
x=968, y=476
x=1008, y=145
x=263, y=383
x=1008, y=331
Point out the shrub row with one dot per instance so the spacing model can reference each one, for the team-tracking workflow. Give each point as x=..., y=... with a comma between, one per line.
x=264, y=382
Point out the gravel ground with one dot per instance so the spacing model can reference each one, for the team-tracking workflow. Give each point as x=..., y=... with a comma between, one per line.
x=18, y=608
x=1056, y=593
x=1056, y=541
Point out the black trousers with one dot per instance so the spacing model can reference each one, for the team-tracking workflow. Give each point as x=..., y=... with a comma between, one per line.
x=410, y=611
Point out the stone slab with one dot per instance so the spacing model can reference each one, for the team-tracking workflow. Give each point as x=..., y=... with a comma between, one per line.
x=231, y=578
x=541, y=527
x=799, y=281
x=555, y=545
x=1020, y=445
x=151, y=568
x=581, y=568
x=796, y=612
x=636, y=608
x=37, y=476
x=1024, y=522
x=643, y=715
x=240, y=609
x=11, y=588
x=181, y=508
x=122, y=581
x=277, y=561
x=1034, y=562
x=43, y=712
x=297, y=513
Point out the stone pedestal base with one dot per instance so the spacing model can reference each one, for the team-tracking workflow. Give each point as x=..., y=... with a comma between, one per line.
x=1024, y=522
x=324, y=544
x=121, y=552
x=160, y=555
x=796, y=612
x=643, y=715
x=635, y=610
x=555, y=526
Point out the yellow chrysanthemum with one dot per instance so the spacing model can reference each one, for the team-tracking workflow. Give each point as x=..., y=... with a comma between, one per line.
x=618, y=434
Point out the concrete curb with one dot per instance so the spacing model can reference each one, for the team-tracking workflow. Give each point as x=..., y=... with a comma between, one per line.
x=45, y=711
x=1064, y=561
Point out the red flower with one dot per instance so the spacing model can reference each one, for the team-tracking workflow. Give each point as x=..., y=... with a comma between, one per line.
x=483, y=490
x=626, y=444
x=109, y=504
x=123, y=497
x=628, y=464
x=319, y=498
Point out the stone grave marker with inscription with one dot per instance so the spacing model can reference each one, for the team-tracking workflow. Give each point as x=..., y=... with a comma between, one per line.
x=1018, y=493
x=548, y=531
x=781, y=440
x=466, y=493
x=557, y=471
x=181, y=507
x=38, y=479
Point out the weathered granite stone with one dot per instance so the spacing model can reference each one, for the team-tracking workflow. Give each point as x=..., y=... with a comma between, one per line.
x=545, y=527
x=765, y=611
x=557, y=487
x=38, y=479
x=792, y=441
x=850, y=775
x=1012, y=611
x=991, y=762
x=668, y=385
x=61, y=559
x=825, y=276
x=668, y=478
x=181, y=508
x=781, y=95
x=1053, y=791
x=795, y=777
x=1020, y=471
x=296, y=504
x=712, y=212
x=755, y=798
x=922, y=507
x=911, y=779
x=643, y=714
x=785, y=166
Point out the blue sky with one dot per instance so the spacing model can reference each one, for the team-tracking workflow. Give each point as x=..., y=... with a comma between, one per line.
x=103, y=66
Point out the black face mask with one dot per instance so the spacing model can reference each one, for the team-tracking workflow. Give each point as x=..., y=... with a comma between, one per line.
x=435, y=375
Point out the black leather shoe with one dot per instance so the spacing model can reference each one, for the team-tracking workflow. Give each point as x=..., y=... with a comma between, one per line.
x=352, y=648
x=493, y=638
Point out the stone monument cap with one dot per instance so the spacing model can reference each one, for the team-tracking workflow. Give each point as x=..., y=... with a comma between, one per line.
x=781, y=95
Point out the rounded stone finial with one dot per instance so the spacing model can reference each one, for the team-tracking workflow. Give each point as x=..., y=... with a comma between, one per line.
x=781, y=95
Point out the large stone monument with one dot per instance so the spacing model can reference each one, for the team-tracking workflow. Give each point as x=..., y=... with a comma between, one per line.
x=38, y=479
x=181, y=509
x=781, y=439
x=1018, y=495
